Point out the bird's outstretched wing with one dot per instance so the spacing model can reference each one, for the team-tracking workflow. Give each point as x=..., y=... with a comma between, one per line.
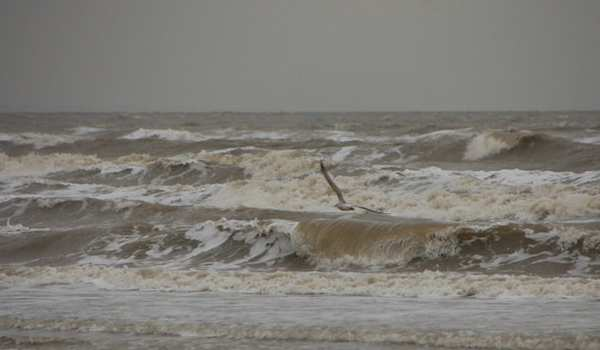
x=372, y=210
x=342, y=205
x=332, y=184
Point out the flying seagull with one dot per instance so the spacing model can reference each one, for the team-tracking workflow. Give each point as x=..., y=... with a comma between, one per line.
x=342, y=204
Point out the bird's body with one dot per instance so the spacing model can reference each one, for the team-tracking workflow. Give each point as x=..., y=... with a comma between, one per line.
x=344, y=206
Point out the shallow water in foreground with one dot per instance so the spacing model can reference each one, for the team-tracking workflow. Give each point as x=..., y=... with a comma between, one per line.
x=217, y=231
x=122, y=319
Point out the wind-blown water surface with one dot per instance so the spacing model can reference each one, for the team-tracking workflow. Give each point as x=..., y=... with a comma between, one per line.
x=217, y=230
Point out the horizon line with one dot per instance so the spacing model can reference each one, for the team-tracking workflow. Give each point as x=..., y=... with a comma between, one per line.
x=225, y=111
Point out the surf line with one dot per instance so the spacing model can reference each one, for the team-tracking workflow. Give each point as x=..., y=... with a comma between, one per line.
x=342, y=204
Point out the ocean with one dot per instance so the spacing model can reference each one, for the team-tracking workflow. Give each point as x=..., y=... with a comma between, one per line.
x=218, y=231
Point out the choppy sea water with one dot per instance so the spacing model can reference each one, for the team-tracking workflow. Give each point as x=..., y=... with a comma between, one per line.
x=218, y=231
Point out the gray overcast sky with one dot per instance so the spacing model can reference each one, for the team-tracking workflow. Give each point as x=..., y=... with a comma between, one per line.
x=261, y=55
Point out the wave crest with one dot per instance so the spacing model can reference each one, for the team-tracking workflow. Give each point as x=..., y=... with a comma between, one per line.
x=490, y=143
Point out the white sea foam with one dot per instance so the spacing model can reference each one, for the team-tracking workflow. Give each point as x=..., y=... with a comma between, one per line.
x=590, y=139
x=248, y=331
x=342, y=153
x=37, y=164
x=134, y=170
x=38, y=140
x=435, y=135
x=266, y=135
x=189, y=136
x=235, y=134
x=517, y=177
x=134, y=165
x=290, y=180
x=175, y=195
x=334, y=135
x=266, y=241
x=233, y=149
x=485, y=145
x=441, y=194
x=86, y=130
x=166, y=134
x=568, y=237
x=418, y=284
x=208, y=234
x=337, y=135
x=13, y=229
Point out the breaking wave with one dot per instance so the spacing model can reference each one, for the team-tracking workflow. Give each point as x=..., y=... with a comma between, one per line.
x=491, y=143
x=232, y=134
x=419, y=245
x=358, y=243
x=38, y=164
x=289, y=180
x=590, y=139
x=39, y=140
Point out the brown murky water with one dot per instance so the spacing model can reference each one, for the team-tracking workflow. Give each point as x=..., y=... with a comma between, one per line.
x=492, y=238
